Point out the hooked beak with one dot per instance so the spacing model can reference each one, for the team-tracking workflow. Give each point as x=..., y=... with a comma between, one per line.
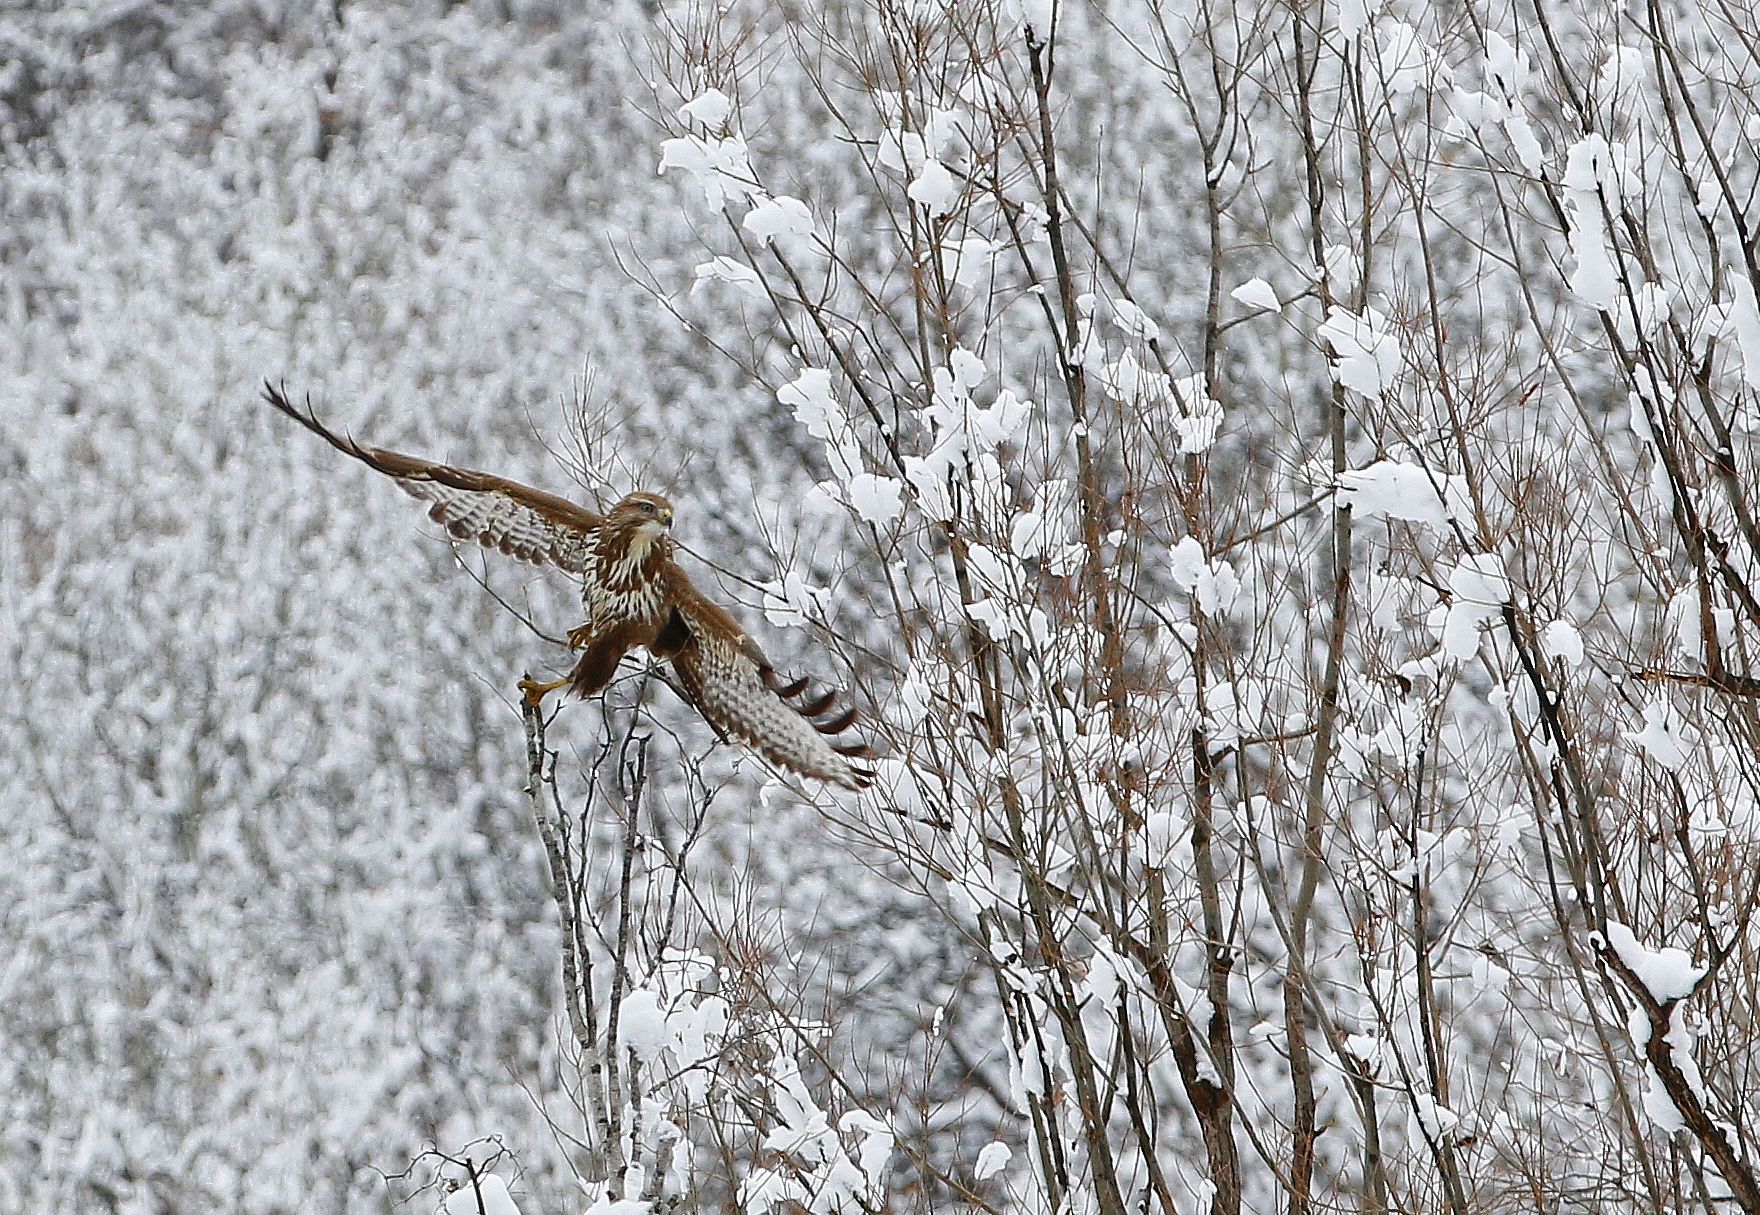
x=666, y=516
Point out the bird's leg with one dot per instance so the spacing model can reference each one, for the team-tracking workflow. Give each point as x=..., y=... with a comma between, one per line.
x=579, y=637
x=598, y=662
x=535, y=691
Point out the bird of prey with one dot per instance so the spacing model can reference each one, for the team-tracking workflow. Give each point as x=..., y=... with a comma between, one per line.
x=633, y=594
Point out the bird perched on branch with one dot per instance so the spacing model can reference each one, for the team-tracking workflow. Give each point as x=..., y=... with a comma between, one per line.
x=634, y=594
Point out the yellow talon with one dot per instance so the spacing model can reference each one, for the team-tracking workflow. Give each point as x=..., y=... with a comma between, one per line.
x=535, y=691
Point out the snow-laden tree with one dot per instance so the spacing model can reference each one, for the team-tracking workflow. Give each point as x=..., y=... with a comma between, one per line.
x=1302, y=456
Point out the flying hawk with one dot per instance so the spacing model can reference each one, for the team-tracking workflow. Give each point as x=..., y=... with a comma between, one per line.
x=633, y=594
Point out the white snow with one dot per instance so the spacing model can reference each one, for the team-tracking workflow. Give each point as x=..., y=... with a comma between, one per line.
x=710, y=108
x=792, y=601
x=1391, y=489
x=825, y=1178
x=489, y=1196
x=1438, y=1120
x=992, y=1160
x=1655, y=304
x=875, y=498
x=1505, y=66
x=1405, y=59
x=783, y=217
x=717, y=164
x=735, y=274
x=934, y=187
x=1353, y=17
x=1134, y=322
x=1212, y=584
x=966, y=368
x=1201, y=419
x=277, y=714
x=1594, y=168
x=1479, y=590
x=907, y=151
x=642, y=1024
x=1162, y=832
x=1366, y=354
x=815, y=406
x=1663, y=737
x=1369, y=1050
x=1034, y=18
x=619, y=1206
x=1744, y=318
x=968, y=262
x=1659, y=1107
x=875, y=1143
x=1667, y=973
x=1684, y=620
x=1258, y=294
x=999, y=422
x=1046, y=523
x=1562, y=641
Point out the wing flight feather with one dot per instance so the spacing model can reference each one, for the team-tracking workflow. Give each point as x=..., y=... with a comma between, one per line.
x=526, y=523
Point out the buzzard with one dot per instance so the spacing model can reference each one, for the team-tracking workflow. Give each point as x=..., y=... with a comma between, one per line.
x=633, y=594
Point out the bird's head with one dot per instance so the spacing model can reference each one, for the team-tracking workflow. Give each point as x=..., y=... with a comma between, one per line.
x=643, y=517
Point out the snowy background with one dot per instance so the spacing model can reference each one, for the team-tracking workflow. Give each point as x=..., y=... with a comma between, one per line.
x=1055, y=478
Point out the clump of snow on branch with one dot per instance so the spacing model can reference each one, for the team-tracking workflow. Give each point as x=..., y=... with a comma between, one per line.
x=1500, y=104
x=1211, y=583
x=1200, y=417
x=1405, y=59
x=1257, y=294
x=1562, y=641
x=914, y=144
x=992, y=1159
x=717, y=164
x=1664, y=738
x=783, y=219
x=1669, y=976
x=1134, y=322
x=735, y=274
x=1478, y=589
x=487, y=1194
x=962, y=430
x=1597, y=175
x=1743, y=318
x=606, y=1205
x=1667, y=973
x=826, y=1170
x=710, y=109
x=1365, y=352
x=875, y=498
x=792, y=601
x=1439, y=1122
x=1035, y=19
x=813, y=399
x=1391, y=489
x=968, y=262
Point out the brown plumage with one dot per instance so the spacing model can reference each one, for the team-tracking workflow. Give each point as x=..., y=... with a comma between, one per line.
x=633, y=594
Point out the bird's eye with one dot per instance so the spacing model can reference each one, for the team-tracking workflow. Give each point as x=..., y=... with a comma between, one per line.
x=647, y=508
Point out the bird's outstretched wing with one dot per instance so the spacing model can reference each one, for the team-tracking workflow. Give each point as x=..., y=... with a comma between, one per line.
x=740, y=695
x=480, y=507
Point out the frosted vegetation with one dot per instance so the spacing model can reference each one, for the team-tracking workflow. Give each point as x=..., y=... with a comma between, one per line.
x=1278, y=477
